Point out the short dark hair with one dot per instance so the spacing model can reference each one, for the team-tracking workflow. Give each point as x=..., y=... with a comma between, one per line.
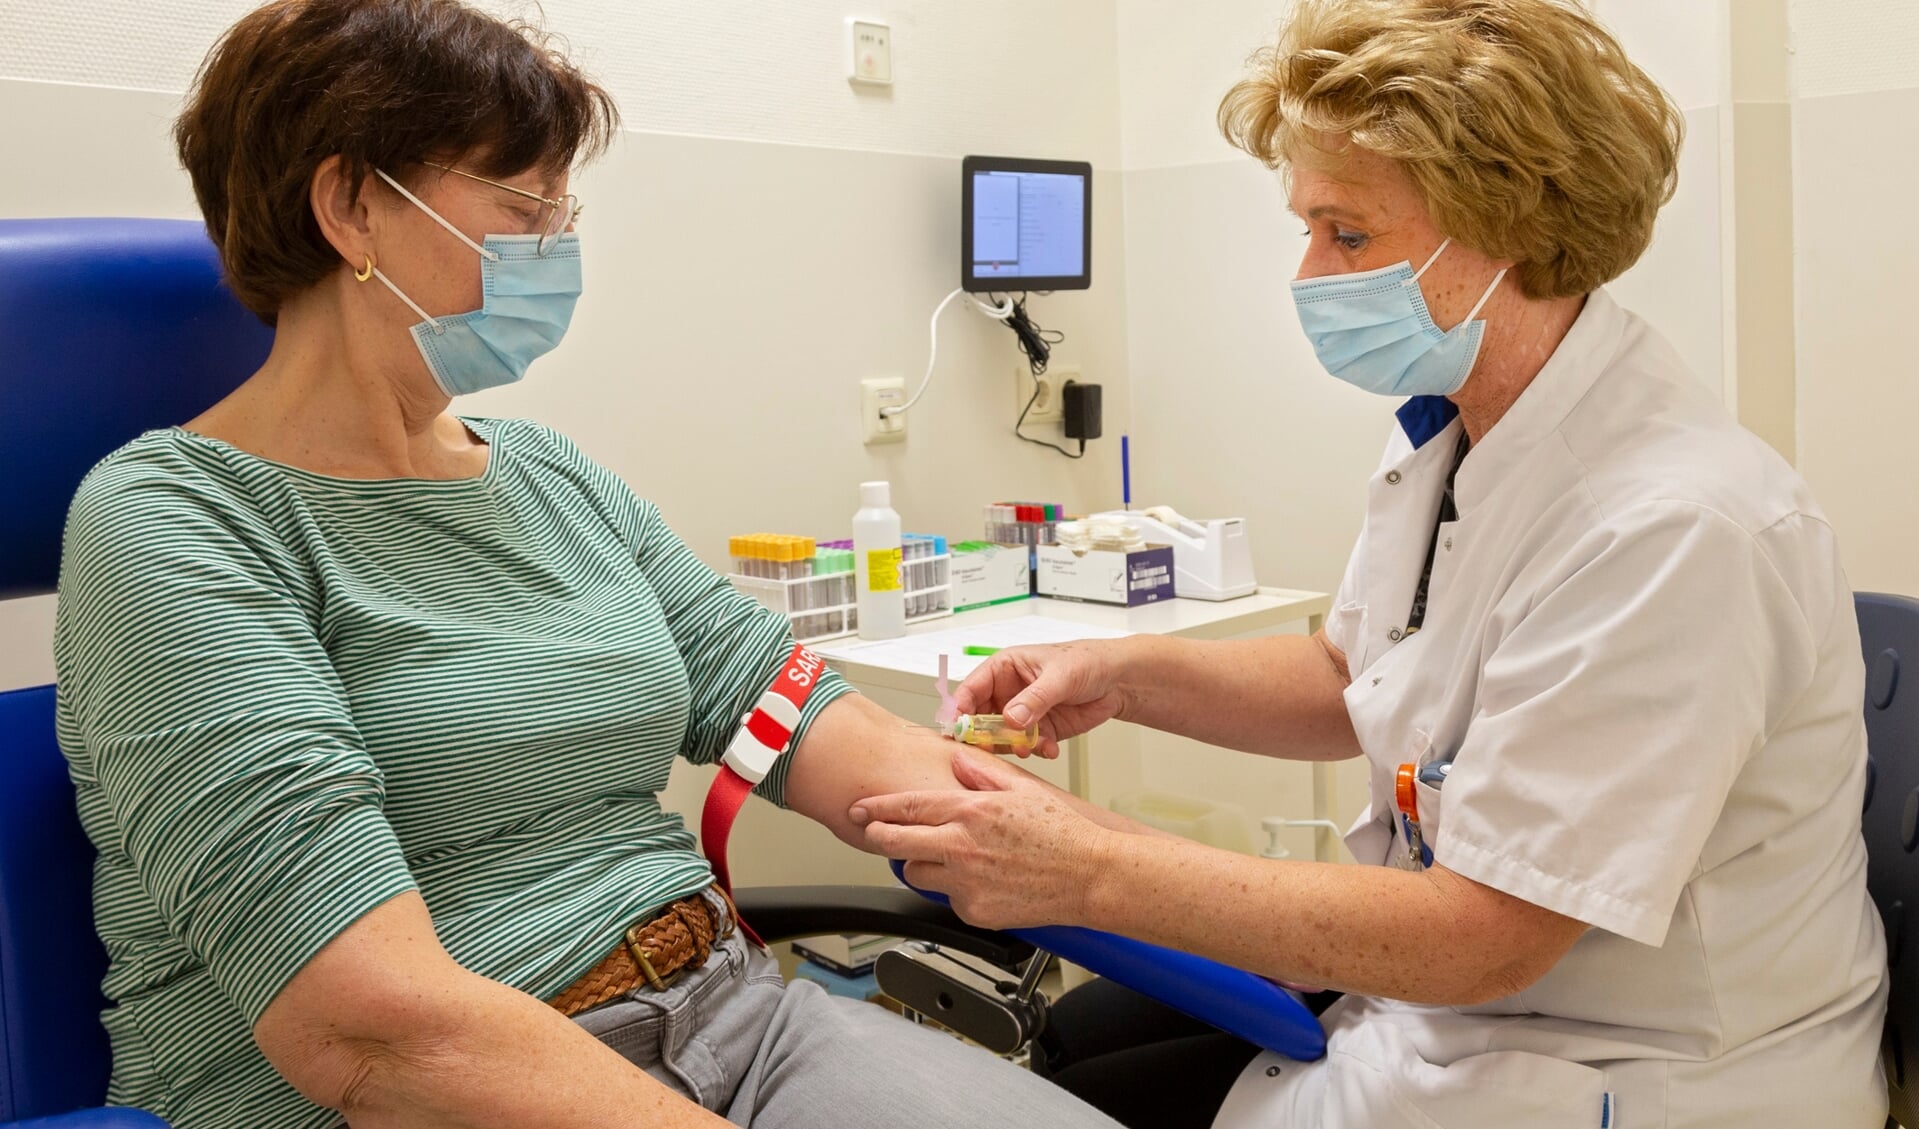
x=383, y=84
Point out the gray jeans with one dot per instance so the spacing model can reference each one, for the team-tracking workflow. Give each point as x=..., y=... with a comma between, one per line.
x=738, y=1040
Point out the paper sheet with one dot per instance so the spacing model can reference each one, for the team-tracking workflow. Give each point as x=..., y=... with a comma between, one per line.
x=919, y=654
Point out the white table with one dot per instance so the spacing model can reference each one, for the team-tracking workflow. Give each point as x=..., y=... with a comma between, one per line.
x=1263, y=612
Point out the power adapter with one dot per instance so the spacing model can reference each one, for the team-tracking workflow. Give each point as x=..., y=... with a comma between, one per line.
x=1079, y=410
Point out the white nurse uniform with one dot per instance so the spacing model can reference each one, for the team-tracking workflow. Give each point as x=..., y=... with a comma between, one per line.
x=1641, y=658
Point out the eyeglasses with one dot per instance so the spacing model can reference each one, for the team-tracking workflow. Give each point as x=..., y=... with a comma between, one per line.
x=555, y=215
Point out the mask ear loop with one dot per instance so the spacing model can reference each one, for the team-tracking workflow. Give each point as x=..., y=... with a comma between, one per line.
x=437, y=217
x=410, y=303
x=1416, y=274
x=1484, y=298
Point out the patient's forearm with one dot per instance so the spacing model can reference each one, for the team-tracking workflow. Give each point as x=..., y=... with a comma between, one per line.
x=513, y=1061
x=856, y=750
x=383, y=1026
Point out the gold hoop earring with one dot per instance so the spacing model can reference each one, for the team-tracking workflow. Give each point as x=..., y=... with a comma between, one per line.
x=363, y=275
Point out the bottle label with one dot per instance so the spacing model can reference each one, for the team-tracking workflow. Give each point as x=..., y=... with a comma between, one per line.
x=883, y=570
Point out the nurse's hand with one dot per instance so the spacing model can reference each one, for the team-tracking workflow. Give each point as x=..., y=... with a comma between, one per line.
x=1011, y=852
x=1068, y=689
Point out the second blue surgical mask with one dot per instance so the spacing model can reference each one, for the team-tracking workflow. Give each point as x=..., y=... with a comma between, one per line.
x=527, y=303
x=1372, y=329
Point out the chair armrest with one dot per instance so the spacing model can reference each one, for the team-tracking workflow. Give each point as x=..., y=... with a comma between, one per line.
x=782, y=913
x=106, y=1118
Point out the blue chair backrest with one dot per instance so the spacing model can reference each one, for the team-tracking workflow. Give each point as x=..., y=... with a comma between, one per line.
x=1889, y=632
x=50, y=959
x=108, y=327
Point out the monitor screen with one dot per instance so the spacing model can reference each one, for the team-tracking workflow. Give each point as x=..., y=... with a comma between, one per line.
x=1025, y=225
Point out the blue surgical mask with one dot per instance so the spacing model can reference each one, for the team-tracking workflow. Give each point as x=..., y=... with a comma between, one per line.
x=1373, y=330
x=528, y=302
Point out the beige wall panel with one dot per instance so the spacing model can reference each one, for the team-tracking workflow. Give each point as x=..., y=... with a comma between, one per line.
x=1858, y=376
x=1676, y=285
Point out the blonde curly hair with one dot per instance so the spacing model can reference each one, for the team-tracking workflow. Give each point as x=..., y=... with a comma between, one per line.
x=1522, y=123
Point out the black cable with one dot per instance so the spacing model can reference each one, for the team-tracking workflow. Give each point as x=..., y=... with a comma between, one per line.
x=1037, y=344
x=1030, y=401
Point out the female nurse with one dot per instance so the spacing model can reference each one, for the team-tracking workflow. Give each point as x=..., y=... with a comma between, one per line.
x=1594, y=643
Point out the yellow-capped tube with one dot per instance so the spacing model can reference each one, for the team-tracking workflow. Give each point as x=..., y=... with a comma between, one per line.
x=992, y=731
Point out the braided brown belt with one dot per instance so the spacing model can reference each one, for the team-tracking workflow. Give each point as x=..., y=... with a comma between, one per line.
x=653, y=953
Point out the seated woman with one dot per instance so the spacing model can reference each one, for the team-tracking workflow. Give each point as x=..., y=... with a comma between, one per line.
x=369, y=705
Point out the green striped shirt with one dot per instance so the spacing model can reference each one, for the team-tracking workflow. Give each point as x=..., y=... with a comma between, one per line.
x=286, y=698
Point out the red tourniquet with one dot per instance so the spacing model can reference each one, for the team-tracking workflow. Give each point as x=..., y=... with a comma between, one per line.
x=765, y=735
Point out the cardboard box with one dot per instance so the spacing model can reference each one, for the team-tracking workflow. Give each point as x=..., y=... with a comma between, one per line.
x=985, y=573
x=1144, y=576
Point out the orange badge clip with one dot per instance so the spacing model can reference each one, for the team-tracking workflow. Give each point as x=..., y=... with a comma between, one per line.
x=1407, y=791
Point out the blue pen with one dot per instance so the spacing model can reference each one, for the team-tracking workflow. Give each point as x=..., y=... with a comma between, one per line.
x=1126, y=471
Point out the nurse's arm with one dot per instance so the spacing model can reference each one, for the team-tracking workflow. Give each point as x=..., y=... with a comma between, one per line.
x=1012, y=851
x=1432, y=937
x=1280, y=696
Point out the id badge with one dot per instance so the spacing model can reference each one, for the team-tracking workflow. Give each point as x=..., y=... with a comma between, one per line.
x=1410, y=851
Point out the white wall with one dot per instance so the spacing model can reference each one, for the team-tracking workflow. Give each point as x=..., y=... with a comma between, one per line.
x=1843, y=47
x=996, y=76
x=1855, y=175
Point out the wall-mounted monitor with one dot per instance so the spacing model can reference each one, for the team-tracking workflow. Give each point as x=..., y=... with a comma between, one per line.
x=1025, y=225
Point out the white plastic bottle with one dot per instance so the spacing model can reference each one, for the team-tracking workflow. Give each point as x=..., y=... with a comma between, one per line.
x=881, y=594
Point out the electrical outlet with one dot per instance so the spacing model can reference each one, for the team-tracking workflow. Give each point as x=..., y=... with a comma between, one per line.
x=1047, y=408
x=871, y=58
x=876, y=395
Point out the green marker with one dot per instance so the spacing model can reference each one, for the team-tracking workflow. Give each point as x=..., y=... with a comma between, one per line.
x=981, y=652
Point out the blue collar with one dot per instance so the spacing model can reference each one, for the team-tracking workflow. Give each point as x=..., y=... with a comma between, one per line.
x=1423, y=417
